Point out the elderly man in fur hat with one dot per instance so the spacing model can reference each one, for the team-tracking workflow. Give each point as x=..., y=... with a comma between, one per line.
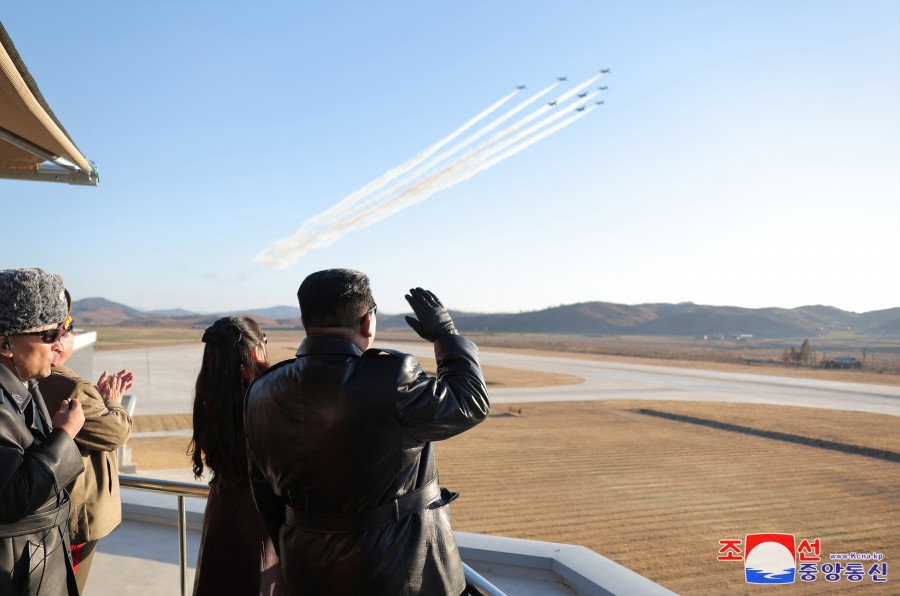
x=38, y=455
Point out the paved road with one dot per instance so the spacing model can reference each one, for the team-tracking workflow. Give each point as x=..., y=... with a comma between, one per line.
x=165, y=378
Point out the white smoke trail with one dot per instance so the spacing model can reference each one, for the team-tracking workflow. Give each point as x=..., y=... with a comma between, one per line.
x=404, y=168
x=454, y=171
x=374, y=202
x=493, y=145
x=431, y=189
x=537, y=114
x=373, y=199
x=480, y=133
x=269, y=256
x=566, y=96
x=472, y=155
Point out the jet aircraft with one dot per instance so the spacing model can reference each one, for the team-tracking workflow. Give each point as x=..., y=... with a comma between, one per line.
x=561, y=79
x=520, y=86
x=602, y=88
x=581, y=109
x=582, y=94
x=604, y=70
x=552, y=103
x=599, y=103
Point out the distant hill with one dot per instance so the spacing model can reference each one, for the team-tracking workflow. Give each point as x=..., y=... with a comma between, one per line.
x=100, y=311
x=684, y=319
x=586, y=318
x=172, y=312
x=274, y=312
x=103, y=312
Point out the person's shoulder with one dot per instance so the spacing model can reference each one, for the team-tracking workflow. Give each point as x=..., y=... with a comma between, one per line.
x=384, y=353
x=64, y=372
x=273, y=370
x=61, y=378
x=64, y=383
x=277, y=366
x=389, y=360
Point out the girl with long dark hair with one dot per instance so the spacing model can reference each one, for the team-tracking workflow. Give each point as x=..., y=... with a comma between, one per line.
x=236, y=554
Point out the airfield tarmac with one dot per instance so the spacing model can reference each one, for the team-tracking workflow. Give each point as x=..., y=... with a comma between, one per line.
x=165, y=376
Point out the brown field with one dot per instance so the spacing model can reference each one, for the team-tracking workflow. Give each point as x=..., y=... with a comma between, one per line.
x=754, y=356
x=656, y=494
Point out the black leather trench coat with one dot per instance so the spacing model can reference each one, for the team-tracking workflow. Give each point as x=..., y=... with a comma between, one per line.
x=35, y=466
x=342, y=465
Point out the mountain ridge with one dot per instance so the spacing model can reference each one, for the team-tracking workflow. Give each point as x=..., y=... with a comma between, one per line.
x=591, y=318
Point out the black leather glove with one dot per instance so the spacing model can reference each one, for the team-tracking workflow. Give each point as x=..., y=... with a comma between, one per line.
x=433, y=319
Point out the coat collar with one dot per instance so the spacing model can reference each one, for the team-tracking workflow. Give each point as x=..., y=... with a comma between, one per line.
x=14, y=389
x=328, y=344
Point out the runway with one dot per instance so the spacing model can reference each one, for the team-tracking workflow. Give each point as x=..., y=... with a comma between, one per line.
x=164, y=380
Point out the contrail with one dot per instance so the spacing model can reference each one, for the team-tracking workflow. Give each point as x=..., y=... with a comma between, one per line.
x=458, y=168
x=335, y=211
x=481, y=166
x=436, y=160
x=374, y=202
x=480, y=133
x=493, y=144
x=402, y=169
x=428, y=190
x=269, y=256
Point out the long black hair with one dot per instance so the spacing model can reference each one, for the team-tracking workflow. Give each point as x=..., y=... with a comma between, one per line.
x=228, y=368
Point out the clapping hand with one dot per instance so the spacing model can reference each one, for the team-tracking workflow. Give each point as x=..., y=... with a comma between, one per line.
x=113, y=387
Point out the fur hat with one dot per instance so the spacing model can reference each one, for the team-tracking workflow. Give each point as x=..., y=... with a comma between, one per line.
x=30, y=298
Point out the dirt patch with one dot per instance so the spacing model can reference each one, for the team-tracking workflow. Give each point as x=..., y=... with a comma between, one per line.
x=160, y=453
x=875, y=431
x=852, y=448
x=161, y=422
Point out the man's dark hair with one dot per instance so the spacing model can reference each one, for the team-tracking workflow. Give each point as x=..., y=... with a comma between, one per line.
x=335, y=298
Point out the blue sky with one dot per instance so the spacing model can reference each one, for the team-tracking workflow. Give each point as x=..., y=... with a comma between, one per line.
x=748, y=152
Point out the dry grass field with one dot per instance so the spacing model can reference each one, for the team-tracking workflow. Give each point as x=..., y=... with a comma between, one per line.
x=657, y=494
x=759, y=356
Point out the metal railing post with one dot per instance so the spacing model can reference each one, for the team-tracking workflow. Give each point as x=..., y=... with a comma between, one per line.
x=182, y=543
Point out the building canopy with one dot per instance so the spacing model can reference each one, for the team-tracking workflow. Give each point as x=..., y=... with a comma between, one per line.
x=33, y=143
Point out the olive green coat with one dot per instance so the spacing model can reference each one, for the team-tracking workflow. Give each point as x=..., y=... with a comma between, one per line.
x=96, y=502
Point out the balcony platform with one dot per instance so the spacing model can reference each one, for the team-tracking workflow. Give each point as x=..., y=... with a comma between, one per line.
x=141, y=557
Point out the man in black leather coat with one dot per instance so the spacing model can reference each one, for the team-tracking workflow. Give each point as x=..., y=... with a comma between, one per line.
x=340, y=441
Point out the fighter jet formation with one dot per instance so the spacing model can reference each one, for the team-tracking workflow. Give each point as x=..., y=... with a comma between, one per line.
x=440, y=167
